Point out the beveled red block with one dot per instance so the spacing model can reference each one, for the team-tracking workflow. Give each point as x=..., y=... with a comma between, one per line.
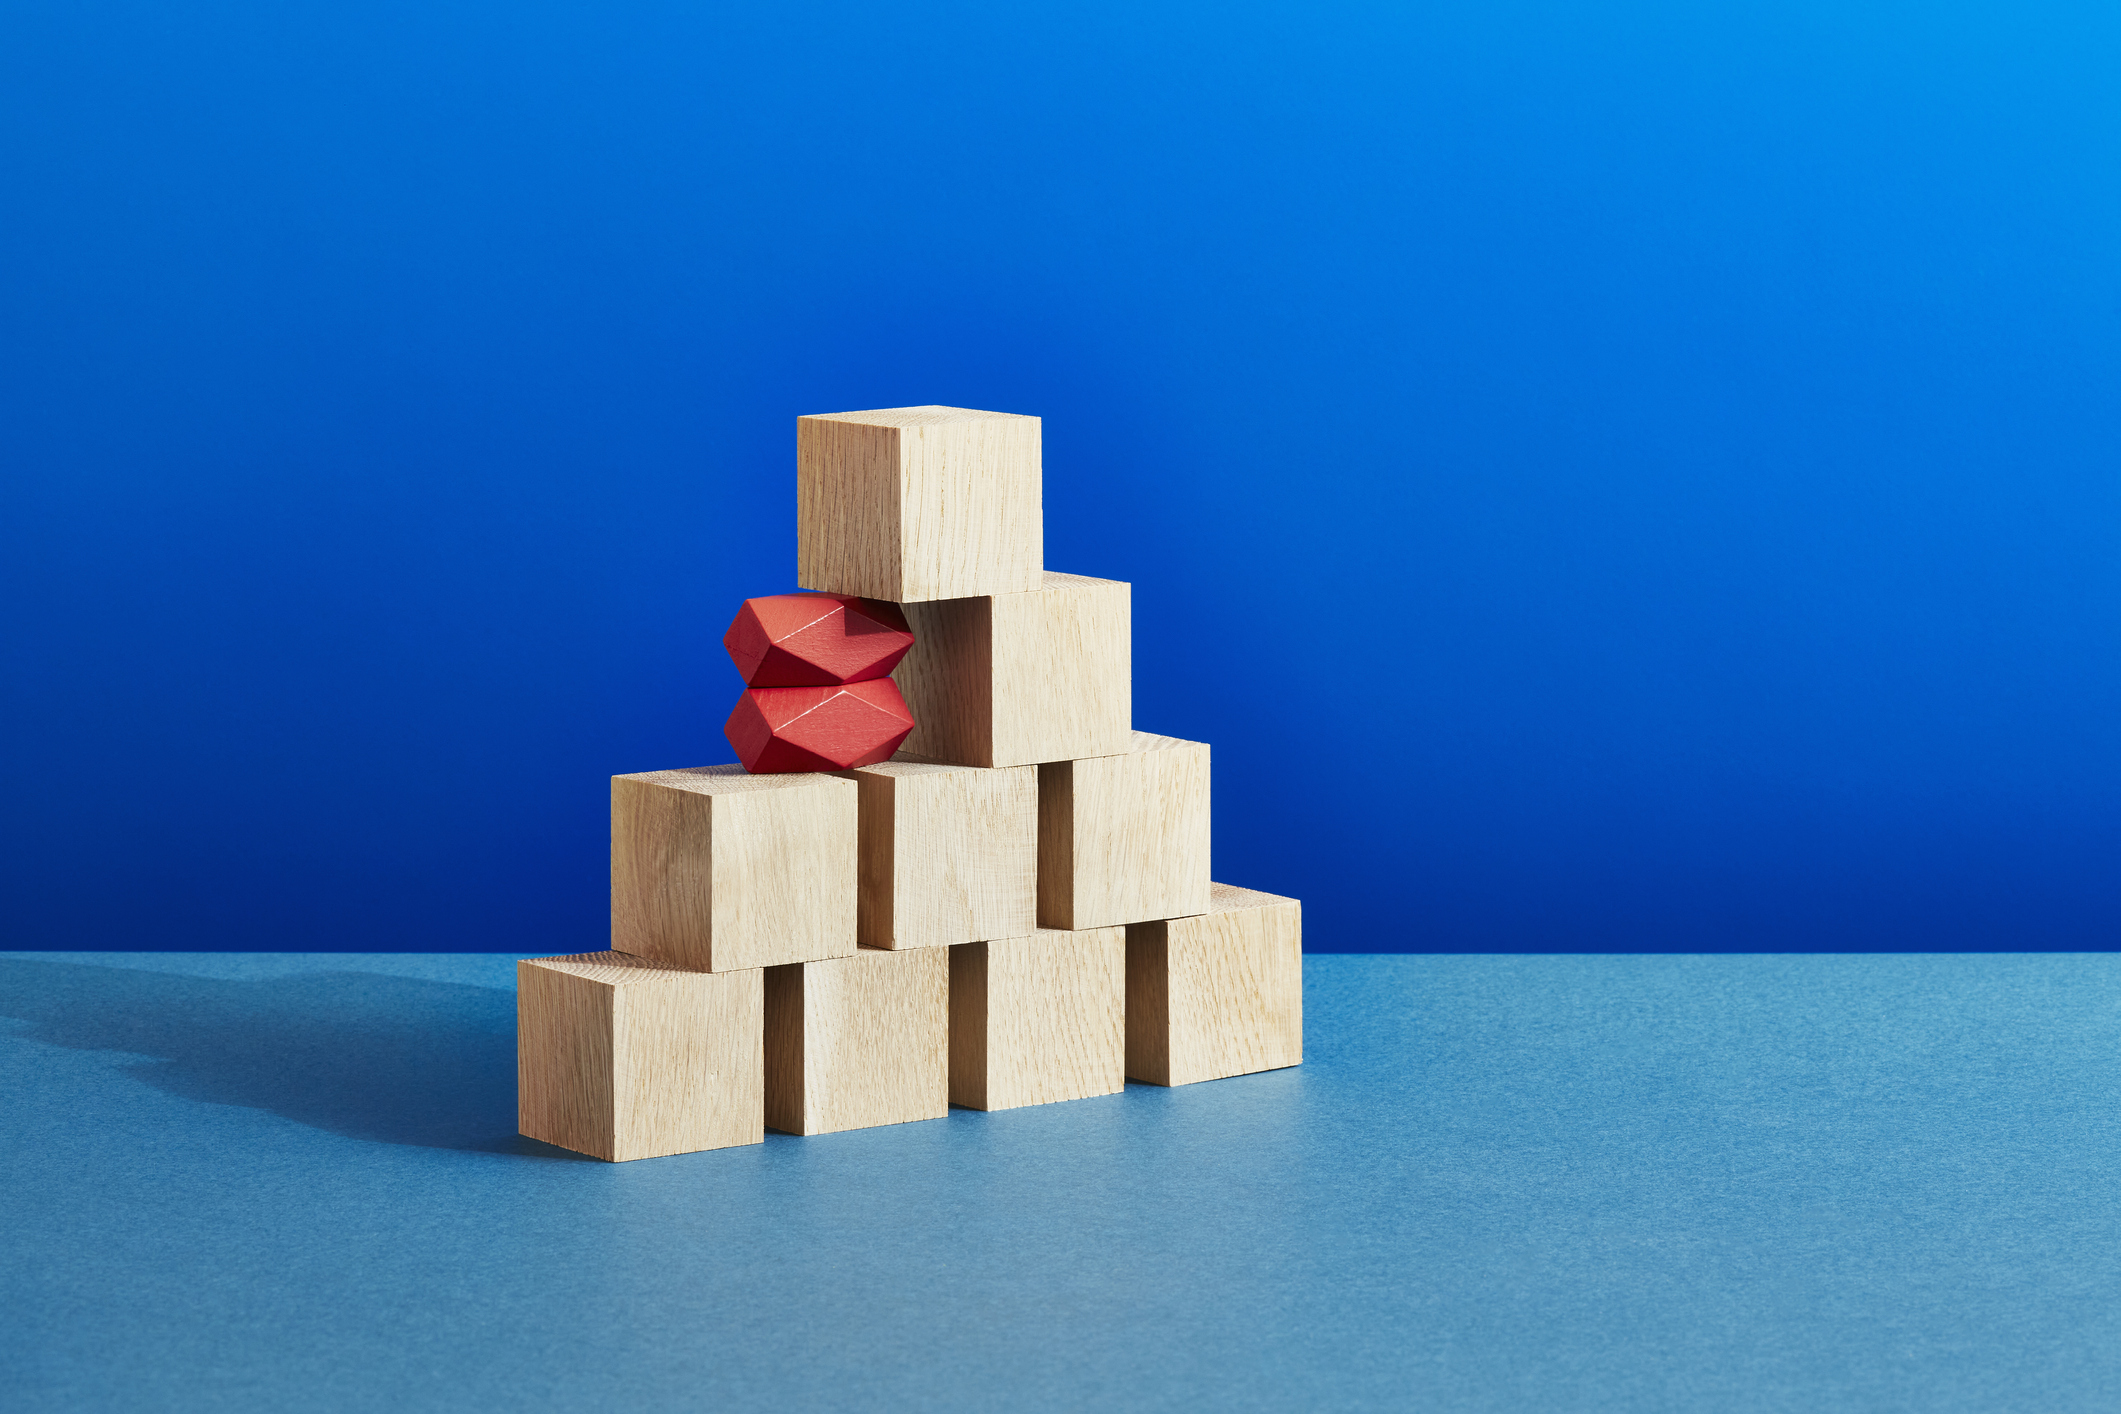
x=830, y=728
x=815, y=640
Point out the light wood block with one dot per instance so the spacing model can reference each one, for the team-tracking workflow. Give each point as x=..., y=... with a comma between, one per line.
x=949, y=854
x=719, y=870
x=918, y=503
x=1124, y=839
x=1216, y=995
x=858, y=1041
x=622, y=1058
x=1038, y=1019
x=1014, y=679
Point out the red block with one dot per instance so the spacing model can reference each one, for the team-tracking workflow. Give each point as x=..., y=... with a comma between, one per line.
x=777, y=729
x=814, y=640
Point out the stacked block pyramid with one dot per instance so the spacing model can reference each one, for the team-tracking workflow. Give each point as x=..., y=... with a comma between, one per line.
x=1015, y=909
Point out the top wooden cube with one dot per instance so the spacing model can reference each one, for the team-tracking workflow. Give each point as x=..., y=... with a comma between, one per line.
x=912, y=504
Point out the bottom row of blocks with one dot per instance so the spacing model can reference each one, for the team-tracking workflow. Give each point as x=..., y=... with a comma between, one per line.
x=625, y=1058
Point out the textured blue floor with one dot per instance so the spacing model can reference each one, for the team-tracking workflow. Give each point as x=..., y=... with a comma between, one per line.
x=1500, y=1183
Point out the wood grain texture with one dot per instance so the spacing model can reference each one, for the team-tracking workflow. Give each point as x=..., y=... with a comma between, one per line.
x=1016, y=679
x=718, y=870
x=1038, y=1019
x=858, y=1041
x=1125, y=838
x=622, y=1058
x=911, y=504
x=949, y=854
x=1218, y=994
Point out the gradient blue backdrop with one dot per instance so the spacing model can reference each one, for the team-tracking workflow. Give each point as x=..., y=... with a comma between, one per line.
x=1605, y=476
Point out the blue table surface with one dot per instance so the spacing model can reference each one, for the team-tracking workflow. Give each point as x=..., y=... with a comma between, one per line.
x=1499, y=1183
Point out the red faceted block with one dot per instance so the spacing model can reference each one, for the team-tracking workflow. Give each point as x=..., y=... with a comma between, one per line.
x=777, y=729
x=813, y=640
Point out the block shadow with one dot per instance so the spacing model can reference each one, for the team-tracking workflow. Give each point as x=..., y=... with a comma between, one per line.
x=395, y=1060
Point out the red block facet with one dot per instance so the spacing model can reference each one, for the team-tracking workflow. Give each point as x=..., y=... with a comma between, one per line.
x=777, y=729
x=815, y=640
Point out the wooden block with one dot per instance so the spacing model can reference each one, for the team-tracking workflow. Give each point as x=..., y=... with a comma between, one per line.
x=719, y=870
x=1216, y=995
x=1124, y=839
x=1015, y=679
x=949, y=854
x=1038, y=1019
x=858, y=1041
x=623, y=1058
x=918, y=503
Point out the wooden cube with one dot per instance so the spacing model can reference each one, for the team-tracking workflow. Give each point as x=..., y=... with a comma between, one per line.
x=949, y=854
x=1124, y=839
x=719, y=870
x=623, y=1058
x=1038, y=1019
x=1014, y=679
x=1216, y=995
x=918, y=503
x=858, y=1041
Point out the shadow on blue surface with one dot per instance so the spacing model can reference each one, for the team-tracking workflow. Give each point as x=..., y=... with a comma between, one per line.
x=397, y=1060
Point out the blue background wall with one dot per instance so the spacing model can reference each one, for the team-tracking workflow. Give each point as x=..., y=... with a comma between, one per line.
x=1605, y=476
